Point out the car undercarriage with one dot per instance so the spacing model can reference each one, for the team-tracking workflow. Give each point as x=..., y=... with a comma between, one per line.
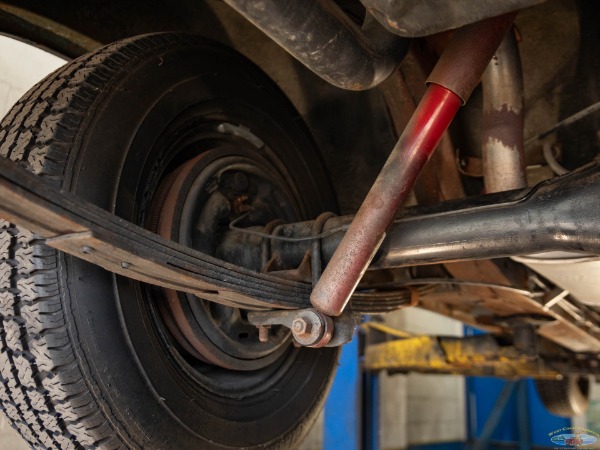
x=194, y=221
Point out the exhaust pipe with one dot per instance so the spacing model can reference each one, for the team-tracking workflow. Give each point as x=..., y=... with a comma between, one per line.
x=320, y=35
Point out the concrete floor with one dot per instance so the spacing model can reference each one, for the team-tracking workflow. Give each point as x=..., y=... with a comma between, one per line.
x=9, y=438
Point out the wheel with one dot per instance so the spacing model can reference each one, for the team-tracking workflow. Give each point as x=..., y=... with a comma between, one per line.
x=180, y=135
x=567, y=397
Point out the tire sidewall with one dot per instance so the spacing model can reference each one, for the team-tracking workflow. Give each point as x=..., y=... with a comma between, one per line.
x=145, y=389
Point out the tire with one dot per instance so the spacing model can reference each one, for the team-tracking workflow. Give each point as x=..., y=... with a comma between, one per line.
x=567, y=397
x=85, y=359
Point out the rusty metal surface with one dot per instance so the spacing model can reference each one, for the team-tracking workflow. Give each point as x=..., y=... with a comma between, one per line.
x=555, y=215
x=313, y=329
x=558, y=214
x=324, y=39
x=468, y=53
x=403, y=92
x=208, y=332
x=468, y=304
x=103, y=239
x=497, y=311
x=476, y=306
x=315, y=251
x=367, y=230
x=92, y=234
x=570, y=335
x=309, y=327
x=413, y=18
x=418, y=141
x=373, y=301
x=431, y=188
x=503, y=115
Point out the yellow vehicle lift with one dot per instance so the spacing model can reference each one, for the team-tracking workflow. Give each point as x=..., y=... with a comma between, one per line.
x=481, y=355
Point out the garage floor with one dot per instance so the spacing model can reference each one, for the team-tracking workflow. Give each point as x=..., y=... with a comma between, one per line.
x=9, y=438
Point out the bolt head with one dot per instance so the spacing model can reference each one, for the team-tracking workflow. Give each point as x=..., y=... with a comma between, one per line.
x=298, y=325
x=301, y=326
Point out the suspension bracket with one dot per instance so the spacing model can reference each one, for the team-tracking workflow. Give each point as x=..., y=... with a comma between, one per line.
x=310, y=328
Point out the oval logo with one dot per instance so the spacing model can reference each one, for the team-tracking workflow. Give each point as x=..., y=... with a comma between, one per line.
x=573, y=440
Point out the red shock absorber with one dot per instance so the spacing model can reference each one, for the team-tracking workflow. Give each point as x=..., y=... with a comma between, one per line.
x=453, y=79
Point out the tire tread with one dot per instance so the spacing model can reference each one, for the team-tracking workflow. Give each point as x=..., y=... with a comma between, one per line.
x=43, y=390
x=567, y=397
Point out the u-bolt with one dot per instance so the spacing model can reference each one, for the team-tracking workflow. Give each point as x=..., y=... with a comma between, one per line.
x=451, y=82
